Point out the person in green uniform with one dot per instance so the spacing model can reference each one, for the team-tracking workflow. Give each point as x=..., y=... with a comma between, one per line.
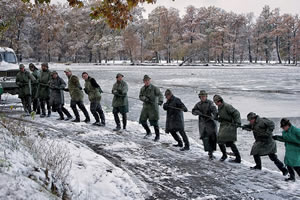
x=23, y=81
x=120, y=101
x=151, y=97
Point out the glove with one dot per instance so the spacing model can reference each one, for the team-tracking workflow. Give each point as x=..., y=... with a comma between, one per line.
x=146, y=99
x=80, y=88
x=275, y=137
x=66, y=89
x=185, y=110
x=245, y=127
x=85, y=90
x=160, y=103
x=196, y=112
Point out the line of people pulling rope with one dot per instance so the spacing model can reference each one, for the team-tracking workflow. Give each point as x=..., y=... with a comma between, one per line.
x=47, y=88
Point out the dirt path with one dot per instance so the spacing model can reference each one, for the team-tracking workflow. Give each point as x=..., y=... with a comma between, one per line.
x=168, y=172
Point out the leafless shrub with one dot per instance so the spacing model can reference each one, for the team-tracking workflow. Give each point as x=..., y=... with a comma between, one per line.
x=49, y=154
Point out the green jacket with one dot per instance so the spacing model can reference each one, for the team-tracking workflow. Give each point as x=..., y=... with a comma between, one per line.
x=23, y=81
x=92, y=89
x=262, y=131
x=75, y=88
x=292, y=151
x=35, y=84
x=151, y=96
x=229, y=119
x=44, y=89
x=119, y=91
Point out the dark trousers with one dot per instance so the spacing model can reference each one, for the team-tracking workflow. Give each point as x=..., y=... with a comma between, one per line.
x=36, y=105
x=66, y=112
x=272, y=157
x=97, y=112
x=26, y=102
x=61, y=110
x=209, y=142
x=292, y=173
x=183, y=136
x=148, y=131
x=233, y=148
x=116, y=111
x=81, y=107
x=43, y=102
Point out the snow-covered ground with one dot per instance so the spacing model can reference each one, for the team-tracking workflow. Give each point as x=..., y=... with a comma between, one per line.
x=108, y=165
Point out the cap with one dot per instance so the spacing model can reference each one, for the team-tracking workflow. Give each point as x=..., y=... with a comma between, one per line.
x=118, y=74
x=217, y=98
x=168, y=92
x=146, y=77
x=54, y=72
x=45, y=64
x=21, y=66
x=202, y=93
x=285, y=122
x=251, y=115
x=67, y=70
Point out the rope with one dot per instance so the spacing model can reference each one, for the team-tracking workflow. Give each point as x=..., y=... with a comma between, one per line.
x=200, y=114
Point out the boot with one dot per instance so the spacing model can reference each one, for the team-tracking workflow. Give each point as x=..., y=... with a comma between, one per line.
x=117, y=128
x=87, y=120
x=255, y=167
x=76, y=120
x=148, y=132
x=178, y=145
x=68, y=118
x=223, y=150
x=211, y=156
x=290, y=179
x=43, y=114
x=49, y=113
x=236, y=153
x=124, y=118
x=257, y=161
x=186, y=148
x=156, y=129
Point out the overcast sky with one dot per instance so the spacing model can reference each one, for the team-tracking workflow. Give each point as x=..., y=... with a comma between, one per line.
x=237, y=6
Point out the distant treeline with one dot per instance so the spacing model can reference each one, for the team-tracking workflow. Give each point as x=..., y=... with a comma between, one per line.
x=59, y=33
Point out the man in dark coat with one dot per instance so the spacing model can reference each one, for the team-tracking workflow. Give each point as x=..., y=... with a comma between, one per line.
x=264, y=143
x=57, y=86
x=35, y=84
x=151, y=97
x=75, y=90
x=44, y=90
x=230, y=120
x=93, y=90
x=175, y=120
x=23, y=81
x=120, y=101
x=207, y=112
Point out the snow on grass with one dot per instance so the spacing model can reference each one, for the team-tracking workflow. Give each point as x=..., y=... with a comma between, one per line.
x=94, y=177
x=16, y=165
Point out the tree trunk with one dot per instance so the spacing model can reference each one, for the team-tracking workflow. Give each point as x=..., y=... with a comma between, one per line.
x=277, y=49
x=294, y=47
x=142, y=49
x=233, y=54
x=249, y=50
x=289, y=49
x=90, y=56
